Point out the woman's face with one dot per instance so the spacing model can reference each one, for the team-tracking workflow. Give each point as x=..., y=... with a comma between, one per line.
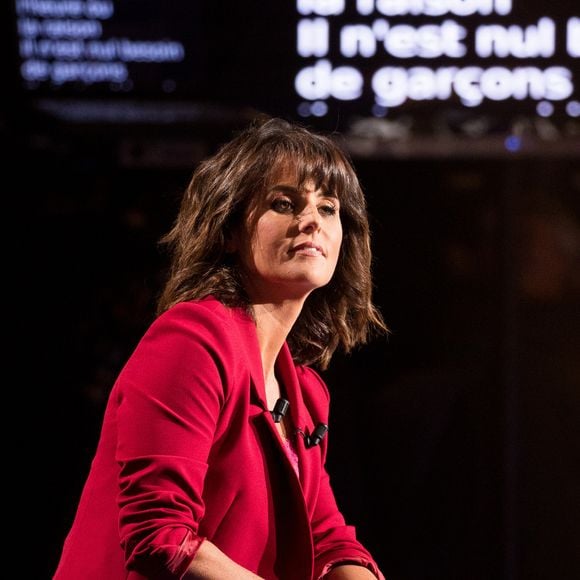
x=291, y=240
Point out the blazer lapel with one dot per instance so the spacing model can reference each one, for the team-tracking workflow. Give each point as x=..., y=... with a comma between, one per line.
x=300, y=417
x=298, y=554
x=251, y=348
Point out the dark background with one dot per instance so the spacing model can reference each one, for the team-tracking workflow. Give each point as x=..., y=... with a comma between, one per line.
x=454, y=441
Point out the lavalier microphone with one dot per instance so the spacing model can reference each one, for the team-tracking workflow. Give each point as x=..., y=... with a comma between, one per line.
x=316, y=436
x=280, y=409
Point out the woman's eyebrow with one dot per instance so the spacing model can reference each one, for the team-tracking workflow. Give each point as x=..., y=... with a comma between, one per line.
x=284, y=188
x=293, y=190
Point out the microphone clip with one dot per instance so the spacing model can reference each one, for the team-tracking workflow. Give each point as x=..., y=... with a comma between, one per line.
x=316, y=436
x=280, y=409
x=278, y=413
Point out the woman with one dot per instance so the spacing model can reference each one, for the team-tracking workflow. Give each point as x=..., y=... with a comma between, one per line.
x=211, y=457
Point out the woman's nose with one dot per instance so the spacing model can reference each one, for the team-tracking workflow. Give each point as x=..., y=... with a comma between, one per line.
x=309, y=219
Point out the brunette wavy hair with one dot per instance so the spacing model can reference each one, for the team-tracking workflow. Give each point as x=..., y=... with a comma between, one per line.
x=214, y=204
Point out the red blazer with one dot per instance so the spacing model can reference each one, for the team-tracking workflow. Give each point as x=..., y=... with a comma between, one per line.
x=189, y=450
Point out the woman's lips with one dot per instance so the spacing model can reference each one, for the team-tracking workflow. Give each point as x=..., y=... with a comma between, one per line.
x=308, y=249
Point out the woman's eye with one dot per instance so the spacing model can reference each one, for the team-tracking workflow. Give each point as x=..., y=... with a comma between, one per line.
x=327, y=210
x=282, y=205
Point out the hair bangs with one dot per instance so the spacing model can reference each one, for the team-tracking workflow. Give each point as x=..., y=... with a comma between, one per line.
x=315, y=160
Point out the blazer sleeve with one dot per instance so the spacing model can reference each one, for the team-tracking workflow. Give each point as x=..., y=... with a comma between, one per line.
x=169, y=397
x=335, y=542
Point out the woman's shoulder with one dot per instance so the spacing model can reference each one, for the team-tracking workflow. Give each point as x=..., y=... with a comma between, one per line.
x=197, y=333
x=206, y=322
x=208, y=312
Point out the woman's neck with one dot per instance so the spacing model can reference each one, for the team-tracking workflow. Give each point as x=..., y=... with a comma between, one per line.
x=273, y=323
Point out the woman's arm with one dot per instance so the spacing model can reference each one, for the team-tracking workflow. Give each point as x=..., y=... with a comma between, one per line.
x=210, y=563
x=169, y=398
